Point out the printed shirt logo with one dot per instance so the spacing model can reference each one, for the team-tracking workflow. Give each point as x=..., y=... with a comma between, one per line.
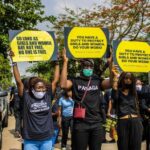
x=39, y=107
x=90, y=88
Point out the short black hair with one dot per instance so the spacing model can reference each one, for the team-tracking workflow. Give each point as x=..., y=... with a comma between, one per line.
x=87, y=60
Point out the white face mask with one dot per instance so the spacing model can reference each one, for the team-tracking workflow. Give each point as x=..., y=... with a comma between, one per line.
x=38, y=95
x=138, y=87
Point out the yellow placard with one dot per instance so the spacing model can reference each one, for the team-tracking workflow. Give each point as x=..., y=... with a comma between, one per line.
x=32, y=46
x=87, y=42
x=133, y=56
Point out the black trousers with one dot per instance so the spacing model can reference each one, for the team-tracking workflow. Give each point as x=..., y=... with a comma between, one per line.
x=67, y=122
x=129, y=134
x=18, y=121
x=148, y=135
x=87, y=135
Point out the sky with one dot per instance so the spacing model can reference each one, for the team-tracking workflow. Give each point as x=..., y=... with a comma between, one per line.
x=55, y=7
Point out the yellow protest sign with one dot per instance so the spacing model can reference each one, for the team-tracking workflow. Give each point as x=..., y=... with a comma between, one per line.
x=133, y=56
x=86, y=42
x=32, y=46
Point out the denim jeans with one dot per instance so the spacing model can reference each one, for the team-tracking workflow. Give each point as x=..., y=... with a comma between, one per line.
x=38, y=144
x=55, y=136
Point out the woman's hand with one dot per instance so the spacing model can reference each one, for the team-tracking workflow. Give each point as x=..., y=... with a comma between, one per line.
x=11, y=54
x=65, y=58
x=115, y=70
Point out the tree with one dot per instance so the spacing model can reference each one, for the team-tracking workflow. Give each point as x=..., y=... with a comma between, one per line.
x=19, y=15
x=125, y=19
x=5, y=75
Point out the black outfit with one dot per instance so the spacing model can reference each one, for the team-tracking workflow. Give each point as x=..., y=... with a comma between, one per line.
x=37, y=117
x=129, y=129
x=11, y=104
x=87, y=131
x=66, y=123
x=17, y=111
x=145, y=105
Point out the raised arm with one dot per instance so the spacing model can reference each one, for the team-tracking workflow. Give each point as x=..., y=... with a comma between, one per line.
x=114, y=93
x=17, y=76
x=56, y=77
x=115, y=73
x=64, y=83
x=107, y=83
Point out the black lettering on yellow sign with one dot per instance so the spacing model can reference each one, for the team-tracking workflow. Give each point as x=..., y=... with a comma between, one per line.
x=134, y=56
x=87, y=42
x=31, y=45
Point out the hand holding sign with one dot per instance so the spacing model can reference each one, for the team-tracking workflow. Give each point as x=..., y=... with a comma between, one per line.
x=65, y=58
x=115, y=71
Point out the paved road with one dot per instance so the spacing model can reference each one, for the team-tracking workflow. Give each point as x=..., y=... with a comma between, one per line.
x=12, y=143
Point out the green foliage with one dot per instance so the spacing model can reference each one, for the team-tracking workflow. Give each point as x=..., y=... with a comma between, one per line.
x=42, y=69
x=5, y=75
x=19, y=15
x=124, y=19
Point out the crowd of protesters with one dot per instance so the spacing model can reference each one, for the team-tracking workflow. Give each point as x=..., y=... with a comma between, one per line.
x=82, y=105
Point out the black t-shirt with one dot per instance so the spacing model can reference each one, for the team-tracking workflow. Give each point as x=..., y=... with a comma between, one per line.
x=92, y=99
x=124, y=104
x=37, y=117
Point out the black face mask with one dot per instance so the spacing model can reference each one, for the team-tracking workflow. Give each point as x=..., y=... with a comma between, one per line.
x=128, y=86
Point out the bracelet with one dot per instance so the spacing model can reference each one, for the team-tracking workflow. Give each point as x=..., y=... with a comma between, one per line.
x=14, y=64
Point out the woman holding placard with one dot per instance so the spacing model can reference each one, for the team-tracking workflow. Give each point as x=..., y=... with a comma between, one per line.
x=37, y=130
x=87, y=117
x=125, y=100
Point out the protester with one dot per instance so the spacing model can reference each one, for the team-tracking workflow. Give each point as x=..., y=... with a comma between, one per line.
x=37, y=116
x=66, y=105
x=145, y=105
x=110, y=112
x=129, y=125
x=55, y=118
x=17, y=114
x=11, y=101
x=87, y=131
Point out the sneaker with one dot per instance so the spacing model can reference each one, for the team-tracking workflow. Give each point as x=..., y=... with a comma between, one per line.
x=63, y=148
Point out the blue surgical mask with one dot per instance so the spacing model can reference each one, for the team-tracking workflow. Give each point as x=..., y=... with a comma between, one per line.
x=87, y=72
x=38, y=95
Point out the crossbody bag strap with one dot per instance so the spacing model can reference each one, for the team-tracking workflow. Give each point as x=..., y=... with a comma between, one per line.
x=86, y=90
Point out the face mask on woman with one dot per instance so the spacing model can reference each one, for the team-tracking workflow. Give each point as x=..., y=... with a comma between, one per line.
x=138, y=87
x=87, y=72
x=38, y=95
